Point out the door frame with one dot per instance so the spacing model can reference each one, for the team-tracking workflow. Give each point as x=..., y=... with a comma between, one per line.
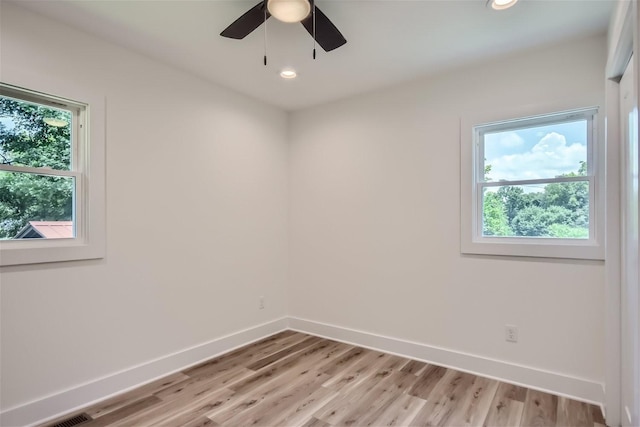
x=623, y=40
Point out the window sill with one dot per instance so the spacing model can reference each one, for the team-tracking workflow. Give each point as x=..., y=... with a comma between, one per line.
x=535, y=247
x=39, y=251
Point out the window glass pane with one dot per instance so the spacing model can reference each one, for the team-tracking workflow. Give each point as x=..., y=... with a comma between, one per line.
x=36, y=206
x=559, y=210
x=34, y=135
x=536, y=152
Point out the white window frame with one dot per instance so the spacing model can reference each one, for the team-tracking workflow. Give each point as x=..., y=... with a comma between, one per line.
x=88, y=170
x=472, y=184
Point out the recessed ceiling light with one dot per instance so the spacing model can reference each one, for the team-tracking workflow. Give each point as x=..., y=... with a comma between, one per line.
x=501, y=4
x=58, y=123
x=288, y=74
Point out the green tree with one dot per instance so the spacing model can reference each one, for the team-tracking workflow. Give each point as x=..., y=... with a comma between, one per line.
x=495, y=222
x=513, y=199
x=26, y=140
x=560, y=210
x=573, y=196
x=570, y=195
x=567, y=231
x=530, y=221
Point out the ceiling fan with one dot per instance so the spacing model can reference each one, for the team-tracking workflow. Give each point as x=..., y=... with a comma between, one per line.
x=304, y=11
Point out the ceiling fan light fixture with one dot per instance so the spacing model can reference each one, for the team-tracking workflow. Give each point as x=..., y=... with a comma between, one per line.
x=289, y=10
x=501, y=4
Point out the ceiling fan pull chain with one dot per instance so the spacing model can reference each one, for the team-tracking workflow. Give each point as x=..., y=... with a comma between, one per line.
x=265, y=35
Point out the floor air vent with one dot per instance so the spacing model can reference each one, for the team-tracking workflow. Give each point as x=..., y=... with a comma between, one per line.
x=70, y=422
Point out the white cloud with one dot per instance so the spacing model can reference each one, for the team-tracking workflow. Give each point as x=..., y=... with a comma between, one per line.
x=510, y=140
x=550, y=157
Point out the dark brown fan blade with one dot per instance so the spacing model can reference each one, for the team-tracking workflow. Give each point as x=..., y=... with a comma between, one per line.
x=327, y=35
x=243, y=26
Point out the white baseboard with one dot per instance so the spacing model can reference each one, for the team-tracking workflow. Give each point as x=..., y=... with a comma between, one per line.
x=551, y=382
x=75, y=398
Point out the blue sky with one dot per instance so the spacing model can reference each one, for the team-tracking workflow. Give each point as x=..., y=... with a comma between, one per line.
x=7, y=122
x=536, y=152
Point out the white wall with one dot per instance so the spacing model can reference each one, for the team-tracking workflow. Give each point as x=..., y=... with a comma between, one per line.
x=196, y=218
x=375, y=223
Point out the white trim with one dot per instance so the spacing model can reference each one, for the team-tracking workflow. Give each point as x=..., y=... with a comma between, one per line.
x=471, y=182
x=90, y=215
x=622, y=41
x=612, y=318
x=39, y=171
x=552, y=382
x=67, y=401
x=75, y=398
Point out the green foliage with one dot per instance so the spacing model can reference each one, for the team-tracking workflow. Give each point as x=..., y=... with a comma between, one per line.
x=28, y=141
x=561, y=210
x=530, y=222
x=487, y=171
x=495, y=218
x=566, y=231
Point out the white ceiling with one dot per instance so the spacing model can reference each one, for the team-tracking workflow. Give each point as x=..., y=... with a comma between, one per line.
x=388, y=41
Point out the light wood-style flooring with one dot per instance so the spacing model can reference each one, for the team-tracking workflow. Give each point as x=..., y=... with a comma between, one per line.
x=294, y=379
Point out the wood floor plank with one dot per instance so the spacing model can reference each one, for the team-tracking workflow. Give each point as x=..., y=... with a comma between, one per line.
x=294, y=379
x=274, y=407
x=204, y=383
x=243, y=356
x=389, y=364
x=301, y=411
x=507, y=406
x=400, y=382
x=596, y=414
x=474, y=407
x=253, y=396
x=349, y=358
x=445, y=399
x=368, y=413
x=200, y=422
x=293, y=364
x=345, y=406
x=540, y=409
x=262, y=403
x=192, y=410
x=125, y=412
x=414, y=367
x=242, y=402
x=376, y=400
x=573, y=413
x=352, y=374
x=265, y=361
x=427, y=381
x=337, y=407
x=399, y=412
x=371, y=393
x=126, y=398
x=314, y=422
x=176, y=403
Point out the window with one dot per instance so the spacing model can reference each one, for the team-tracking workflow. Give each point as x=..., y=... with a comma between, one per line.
x=531, y=186
x=46, y=209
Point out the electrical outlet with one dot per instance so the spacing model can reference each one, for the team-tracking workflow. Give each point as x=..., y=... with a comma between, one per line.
x=511, y=333
x=261, y=303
